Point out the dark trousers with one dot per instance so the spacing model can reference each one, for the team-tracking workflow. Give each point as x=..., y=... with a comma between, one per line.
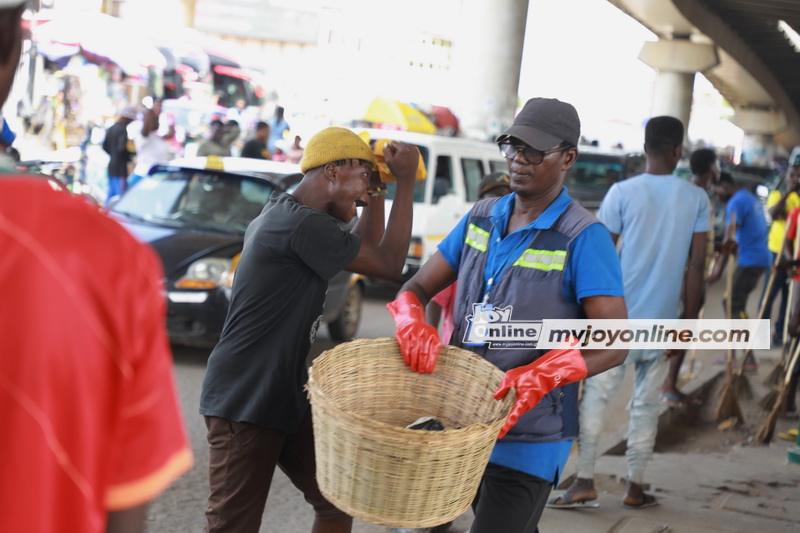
x=779, y=284
x=509, y=501
x=745, y=280
x=241, y=463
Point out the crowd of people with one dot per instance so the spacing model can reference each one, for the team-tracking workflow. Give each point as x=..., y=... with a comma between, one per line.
x=134, y=143
x=525, y=247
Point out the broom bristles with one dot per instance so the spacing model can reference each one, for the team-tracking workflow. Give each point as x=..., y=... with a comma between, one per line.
x=728, y=406
x=741, y=386
x=776, y=375
x=768, y=400
x=767, y=429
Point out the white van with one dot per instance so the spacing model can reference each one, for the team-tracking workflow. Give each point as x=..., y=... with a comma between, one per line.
x=455, y=167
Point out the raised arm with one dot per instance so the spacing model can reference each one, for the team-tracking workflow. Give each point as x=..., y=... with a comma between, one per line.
x=386, y=259
x=370, y=225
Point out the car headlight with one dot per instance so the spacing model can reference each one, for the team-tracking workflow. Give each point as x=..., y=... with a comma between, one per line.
x=207, y=273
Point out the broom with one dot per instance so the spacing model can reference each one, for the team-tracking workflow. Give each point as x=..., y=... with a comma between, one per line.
x=768, y=400
x=741, y=383
x=690, y=375
x=728, y=406
x=776, y=374
x=764, y=433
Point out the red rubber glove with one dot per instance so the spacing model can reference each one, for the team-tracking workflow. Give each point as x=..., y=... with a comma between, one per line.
x=419, y=341
x=555, y=368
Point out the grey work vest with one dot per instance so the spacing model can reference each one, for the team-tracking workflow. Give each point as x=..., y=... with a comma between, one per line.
x=530, y=289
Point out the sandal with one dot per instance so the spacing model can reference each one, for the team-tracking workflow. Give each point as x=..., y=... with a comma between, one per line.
x=569, y=503
x=647, y=501
x=679, y=399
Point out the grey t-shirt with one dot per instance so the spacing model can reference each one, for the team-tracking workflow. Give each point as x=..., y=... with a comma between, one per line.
x=257, y=371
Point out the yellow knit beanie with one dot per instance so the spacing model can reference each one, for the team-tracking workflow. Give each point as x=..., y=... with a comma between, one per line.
x=333, y=144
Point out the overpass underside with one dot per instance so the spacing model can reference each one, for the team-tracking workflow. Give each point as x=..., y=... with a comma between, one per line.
x=757, y=55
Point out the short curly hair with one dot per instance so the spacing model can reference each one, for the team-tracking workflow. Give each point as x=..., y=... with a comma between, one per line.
x=663, y=133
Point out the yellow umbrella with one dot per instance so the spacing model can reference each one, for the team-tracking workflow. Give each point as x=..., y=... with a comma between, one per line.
x=399, y=114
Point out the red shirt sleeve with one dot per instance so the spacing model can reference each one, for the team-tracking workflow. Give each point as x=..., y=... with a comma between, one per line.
x=792, y=229
x=150, y=446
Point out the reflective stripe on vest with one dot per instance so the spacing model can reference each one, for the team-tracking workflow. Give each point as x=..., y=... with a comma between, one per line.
x=542, y=259
x=477, y=238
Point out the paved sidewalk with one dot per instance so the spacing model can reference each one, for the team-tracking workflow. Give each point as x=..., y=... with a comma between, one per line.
x=749, y=488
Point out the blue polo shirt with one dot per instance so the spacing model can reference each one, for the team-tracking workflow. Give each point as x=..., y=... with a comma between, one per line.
x=592, y=269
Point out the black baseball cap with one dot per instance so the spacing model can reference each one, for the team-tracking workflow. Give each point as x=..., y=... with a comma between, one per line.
x=544, y=123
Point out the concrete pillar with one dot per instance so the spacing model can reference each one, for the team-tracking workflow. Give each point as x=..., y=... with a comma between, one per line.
x=760, y=124
x=676, y=61
x=487, y=53
x=672, y=95
x=187, y=10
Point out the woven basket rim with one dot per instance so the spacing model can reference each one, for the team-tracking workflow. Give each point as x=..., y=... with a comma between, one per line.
x=507, y=401
x=375, y=469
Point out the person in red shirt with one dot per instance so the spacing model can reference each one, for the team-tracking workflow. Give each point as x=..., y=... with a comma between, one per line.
x=92, y=428
x=790, y=254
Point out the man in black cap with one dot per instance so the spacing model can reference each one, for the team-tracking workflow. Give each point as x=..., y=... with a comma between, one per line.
x=531, y=255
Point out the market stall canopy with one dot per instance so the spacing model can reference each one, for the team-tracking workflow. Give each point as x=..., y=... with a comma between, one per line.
x=100, y=38
x=392, y=114
x=445, y=119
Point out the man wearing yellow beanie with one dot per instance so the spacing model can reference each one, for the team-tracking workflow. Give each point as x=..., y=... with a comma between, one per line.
x=253, y=401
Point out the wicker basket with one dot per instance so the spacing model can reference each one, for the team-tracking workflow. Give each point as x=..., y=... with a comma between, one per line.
x=373, y=468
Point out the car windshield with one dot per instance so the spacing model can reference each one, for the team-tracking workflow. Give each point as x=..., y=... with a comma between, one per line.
x=195, y=199
x=594, y=173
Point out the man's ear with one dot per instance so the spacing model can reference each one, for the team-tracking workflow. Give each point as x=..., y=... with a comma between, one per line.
x=570, y=156
x=331, y=172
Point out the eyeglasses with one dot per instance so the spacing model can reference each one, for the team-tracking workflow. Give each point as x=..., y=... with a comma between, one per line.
x=532, y=156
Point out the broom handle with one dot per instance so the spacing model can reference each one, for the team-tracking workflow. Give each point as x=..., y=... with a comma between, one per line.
x=792, y=345
x=693, y=351
x=790, y=369
x=789, y=303
x=729, y=287
x=772, y=275
x=788, y=312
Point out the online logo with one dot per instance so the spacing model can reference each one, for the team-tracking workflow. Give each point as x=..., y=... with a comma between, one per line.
x=493, y=326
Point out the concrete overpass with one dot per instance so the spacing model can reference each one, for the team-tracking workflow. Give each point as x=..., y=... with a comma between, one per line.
x=744, y=47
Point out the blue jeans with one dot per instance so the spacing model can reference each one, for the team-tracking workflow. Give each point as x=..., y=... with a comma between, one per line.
x=650, y=367
x=116, y=186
